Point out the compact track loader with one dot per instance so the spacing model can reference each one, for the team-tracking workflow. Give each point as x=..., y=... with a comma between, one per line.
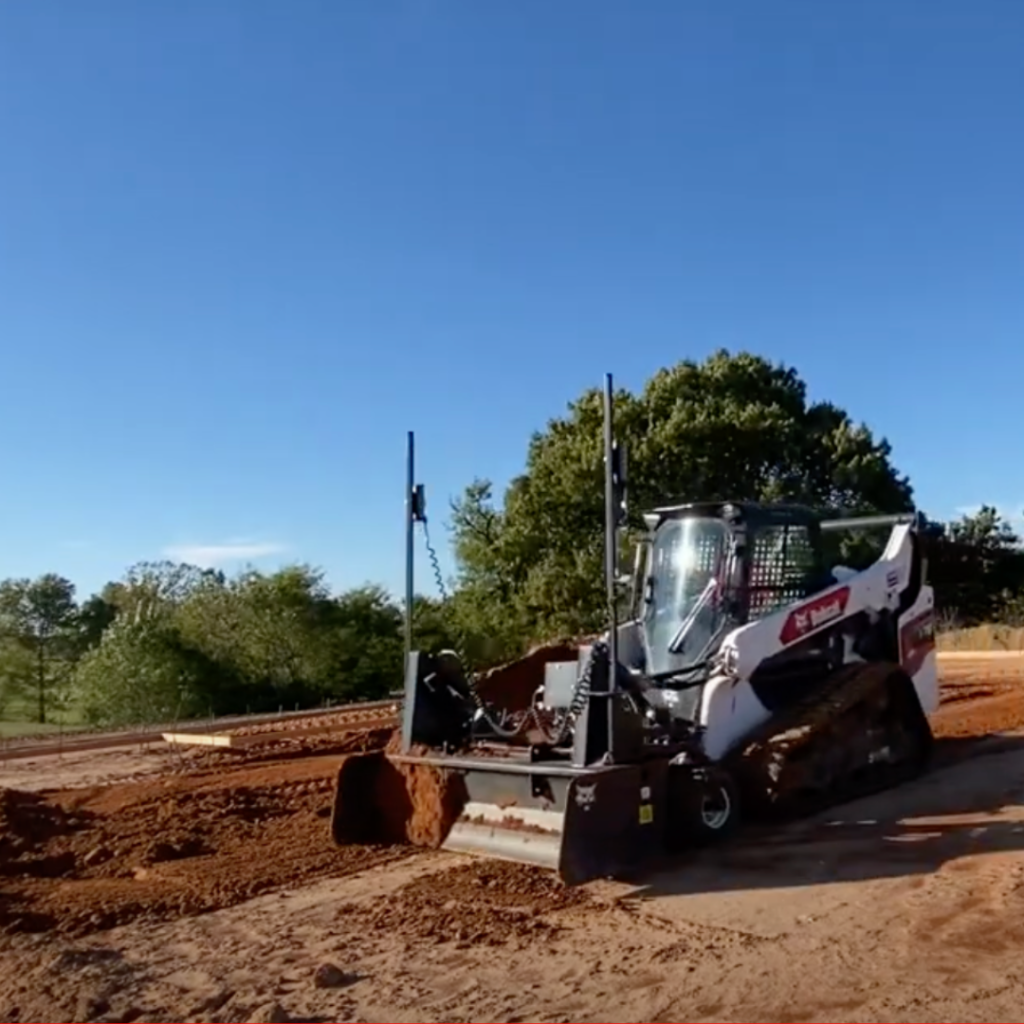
x=747, y=673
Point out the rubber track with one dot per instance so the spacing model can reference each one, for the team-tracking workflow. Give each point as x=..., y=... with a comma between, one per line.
x=801, y=725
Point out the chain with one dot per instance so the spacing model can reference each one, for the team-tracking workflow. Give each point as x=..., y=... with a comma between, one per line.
x=435, y=563
x=580, y=694
x=498, y=726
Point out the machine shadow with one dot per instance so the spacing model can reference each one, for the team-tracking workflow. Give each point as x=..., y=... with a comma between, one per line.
x=959, y=808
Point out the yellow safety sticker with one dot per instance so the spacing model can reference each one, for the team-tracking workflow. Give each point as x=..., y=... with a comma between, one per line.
x=646, y=814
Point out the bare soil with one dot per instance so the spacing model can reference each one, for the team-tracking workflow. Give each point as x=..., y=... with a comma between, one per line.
x=206, y=888
x=191, y=840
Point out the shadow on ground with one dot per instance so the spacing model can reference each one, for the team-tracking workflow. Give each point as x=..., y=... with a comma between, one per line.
x=970, y=803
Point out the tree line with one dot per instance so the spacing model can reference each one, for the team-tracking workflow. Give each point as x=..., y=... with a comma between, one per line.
x=172, y=641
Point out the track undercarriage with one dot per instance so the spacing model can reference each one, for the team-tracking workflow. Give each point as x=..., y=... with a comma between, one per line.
x=860, y=733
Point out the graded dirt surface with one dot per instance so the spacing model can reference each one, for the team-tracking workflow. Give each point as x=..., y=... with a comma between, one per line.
x=979, y=696
x=206, y=888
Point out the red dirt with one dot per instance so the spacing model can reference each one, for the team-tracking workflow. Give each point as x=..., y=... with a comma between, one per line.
x=974, y=709
x=342, y=720
x=512, y=686
x=437, y=797
x=487, y=902
x=76, y=861
x=402, y=803
x=228, y=825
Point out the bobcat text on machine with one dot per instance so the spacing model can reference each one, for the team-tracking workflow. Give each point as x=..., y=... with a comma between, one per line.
x=747, y=674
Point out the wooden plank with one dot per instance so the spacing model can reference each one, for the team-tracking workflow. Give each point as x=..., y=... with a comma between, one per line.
x=209, y=739
x=980, y=655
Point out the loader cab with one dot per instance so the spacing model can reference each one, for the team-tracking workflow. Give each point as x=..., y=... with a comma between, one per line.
x=711, y=566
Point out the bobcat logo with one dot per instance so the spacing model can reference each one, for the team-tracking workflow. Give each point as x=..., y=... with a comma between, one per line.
x=586, y=796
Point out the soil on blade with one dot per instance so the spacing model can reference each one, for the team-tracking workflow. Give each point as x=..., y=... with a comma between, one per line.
x=385, y=801
x=512, y=686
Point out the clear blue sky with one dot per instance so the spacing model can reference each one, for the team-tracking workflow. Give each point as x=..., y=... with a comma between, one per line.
x=246, y=245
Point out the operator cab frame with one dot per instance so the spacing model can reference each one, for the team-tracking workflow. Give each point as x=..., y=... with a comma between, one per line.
x=708, y=567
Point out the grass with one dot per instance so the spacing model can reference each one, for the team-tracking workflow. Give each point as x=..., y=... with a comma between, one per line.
x=18, y=719
x=992, y=636
x=9, y=728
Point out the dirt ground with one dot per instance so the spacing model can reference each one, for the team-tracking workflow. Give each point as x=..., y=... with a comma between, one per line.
x=155, y=886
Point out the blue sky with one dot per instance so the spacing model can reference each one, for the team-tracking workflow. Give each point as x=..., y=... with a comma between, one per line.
x=246, y=245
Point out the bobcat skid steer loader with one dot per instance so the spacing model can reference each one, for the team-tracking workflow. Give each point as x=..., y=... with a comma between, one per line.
x=747, y=673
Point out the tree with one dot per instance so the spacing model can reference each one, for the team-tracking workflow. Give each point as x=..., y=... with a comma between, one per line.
x=152, y=583
x=95, y=615
x=734, y=426
x=139, y=673
x=978, y=568
x=17, y=672
x=986, y=529
x=367, y=644
x=261, y=630
x=39, y=616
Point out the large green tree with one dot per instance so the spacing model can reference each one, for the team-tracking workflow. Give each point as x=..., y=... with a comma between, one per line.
x=269, y=631
x=733, y=426
x=142, y=672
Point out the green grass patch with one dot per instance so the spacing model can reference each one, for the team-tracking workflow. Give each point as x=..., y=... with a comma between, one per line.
x=19, y=719
x=12, y=729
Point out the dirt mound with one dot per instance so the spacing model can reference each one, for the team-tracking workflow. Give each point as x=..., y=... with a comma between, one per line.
x=513, y=685
x=972, y=709
x=347, y=718
x=282, y=748
x=27, y=821
x=77, y=861
x=487, y=902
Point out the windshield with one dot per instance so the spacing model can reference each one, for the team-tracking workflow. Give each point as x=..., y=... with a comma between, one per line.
x=686, y=574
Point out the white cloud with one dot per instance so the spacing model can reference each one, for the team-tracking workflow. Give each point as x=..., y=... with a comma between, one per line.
x=208, y=556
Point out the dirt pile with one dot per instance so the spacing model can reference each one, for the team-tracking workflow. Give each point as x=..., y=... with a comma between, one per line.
x=513, y=685
x=27, y=821
x=77, y=861
x=483, y=903
x=284, y=748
